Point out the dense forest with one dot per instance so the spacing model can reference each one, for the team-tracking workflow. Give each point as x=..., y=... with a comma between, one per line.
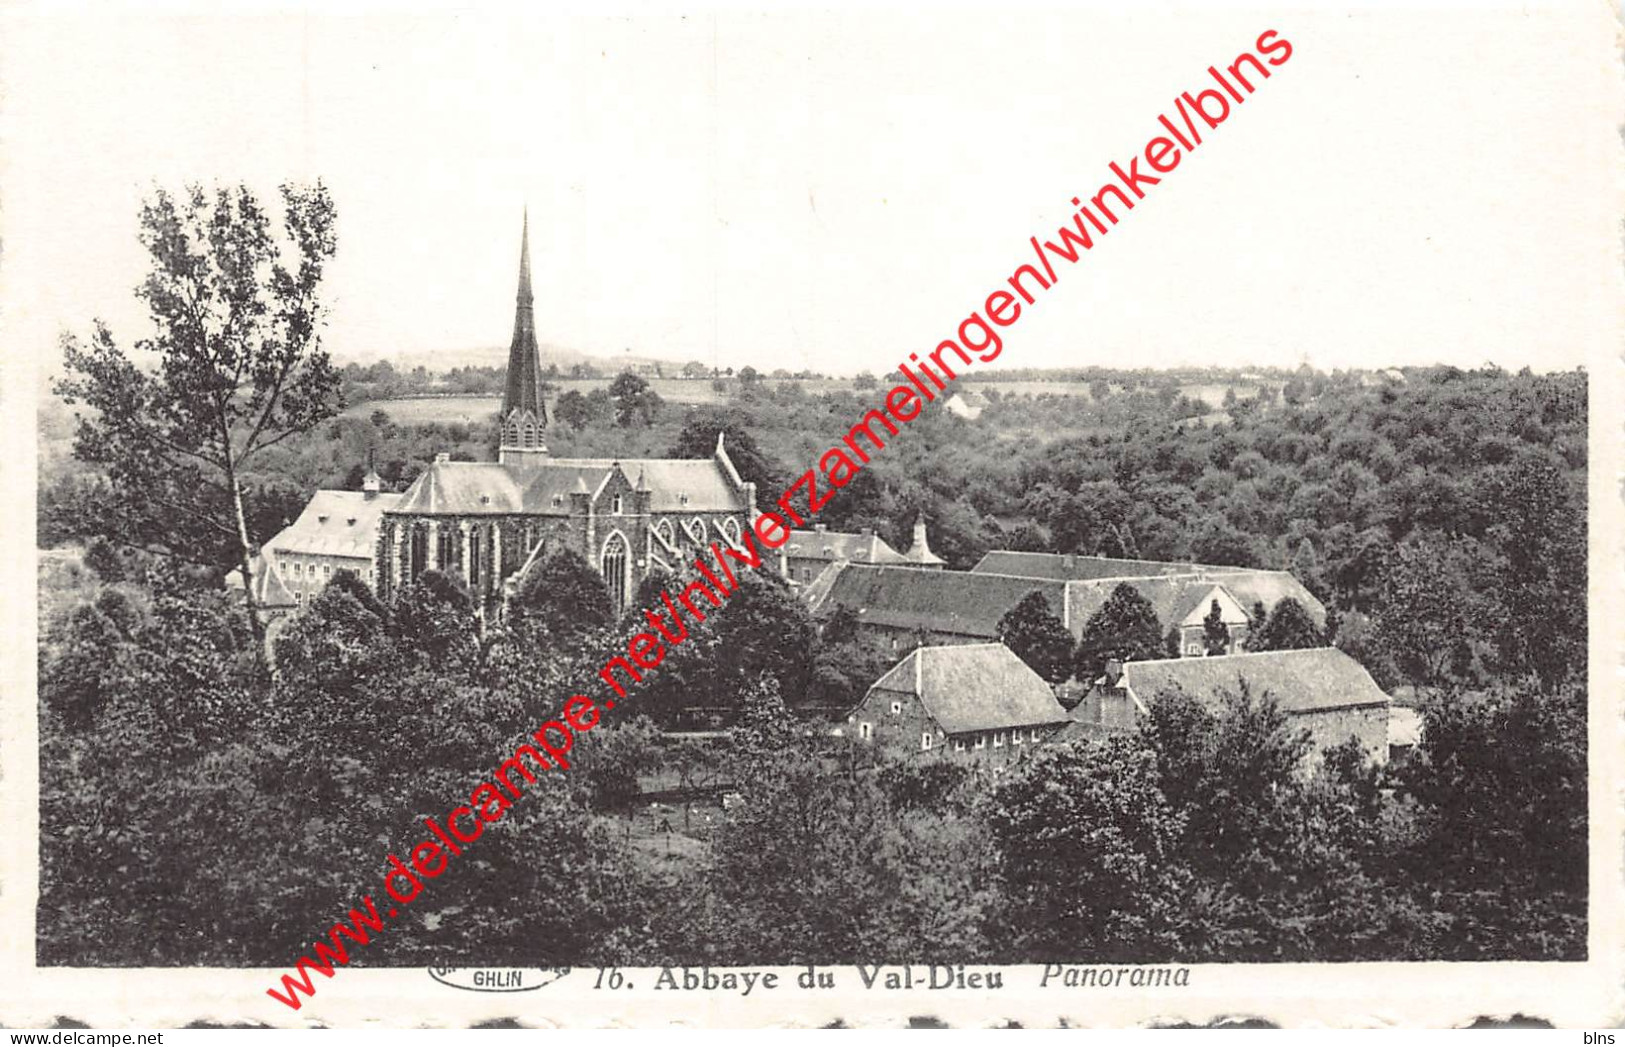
x=199, y=809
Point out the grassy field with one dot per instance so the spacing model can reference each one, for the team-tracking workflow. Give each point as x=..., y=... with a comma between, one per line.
x=443, y=409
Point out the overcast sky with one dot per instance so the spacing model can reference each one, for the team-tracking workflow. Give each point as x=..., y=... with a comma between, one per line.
x=834, y=191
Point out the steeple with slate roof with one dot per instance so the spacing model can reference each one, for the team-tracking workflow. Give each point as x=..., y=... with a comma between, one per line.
x=524, y=415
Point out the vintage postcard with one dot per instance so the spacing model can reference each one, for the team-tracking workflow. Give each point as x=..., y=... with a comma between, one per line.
x=811, y=515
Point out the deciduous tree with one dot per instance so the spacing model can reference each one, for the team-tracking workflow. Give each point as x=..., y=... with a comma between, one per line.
x=1290, y=627
x=1125, y=628
x=634, y=400
x=562, y=596
x=239, y=369
x=1037, y=637
x=1096, y=809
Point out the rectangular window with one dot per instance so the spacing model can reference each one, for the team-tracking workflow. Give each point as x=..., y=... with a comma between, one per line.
x=959, y=745
x=998, y=739
x=1036, y=735
x=327, y=570
x=925, y=740
x=981, y=742
x=865, y=730
x=1193, y=649
x=1015, y=737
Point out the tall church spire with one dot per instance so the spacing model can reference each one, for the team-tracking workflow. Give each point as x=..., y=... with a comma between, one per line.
x=524, y=415
x=525, y=298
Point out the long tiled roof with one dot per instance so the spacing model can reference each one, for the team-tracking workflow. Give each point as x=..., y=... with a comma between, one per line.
x=970, y=603
x=462, y=487
x=837, y=546
x=957, y=602
x=336, y=523
x=1175, y=597
x=1270, y=588
x=702, y=479
x=1083, y=568
x=1302, y=681
x=473, y=488
x=1173, y=588
x=975, y=687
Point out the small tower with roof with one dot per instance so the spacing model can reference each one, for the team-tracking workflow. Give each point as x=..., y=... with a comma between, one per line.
x=919, y=553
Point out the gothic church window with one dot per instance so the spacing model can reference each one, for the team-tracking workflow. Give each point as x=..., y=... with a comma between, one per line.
x=614, y=566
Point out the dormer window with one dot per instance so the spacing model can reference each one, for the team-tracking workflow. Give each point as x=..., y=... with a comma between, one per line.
x=321, y=518
x=349, y=521
x=558, y=500
x=682, y=498
x=485, y=499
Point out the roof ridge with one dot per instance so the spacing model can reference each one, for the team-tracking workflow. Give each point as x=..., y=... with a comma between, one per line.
x=959, y=574
x=623, y=461
x=1239, y=654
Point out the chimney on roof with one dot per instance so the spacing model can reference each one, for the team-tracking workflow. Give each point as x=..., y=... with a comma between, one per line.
x=371, y=483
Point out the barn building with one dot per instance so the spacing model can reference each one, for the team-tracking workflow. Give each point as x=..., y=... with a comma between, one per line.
x=976, y=703
x=1321, y=689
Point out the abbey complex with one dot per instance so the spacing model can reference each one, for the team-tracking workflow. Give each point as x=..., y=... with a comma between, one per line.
x=488, y=523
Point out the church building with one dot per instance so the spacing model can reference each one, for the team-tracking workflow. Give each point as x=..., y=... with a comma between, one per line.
x=489, y=522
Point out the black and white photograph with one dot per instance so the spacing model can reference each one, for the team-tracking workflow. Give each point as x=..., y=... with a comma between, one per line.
x=811, y=516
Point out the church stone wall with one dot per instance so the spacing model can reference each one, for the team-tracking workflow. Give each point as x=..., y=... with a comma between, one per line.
x=487, y=552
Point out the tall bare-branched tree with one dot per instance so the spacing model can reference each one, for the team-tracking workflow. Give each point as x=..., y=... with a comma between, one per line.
x=234, y=366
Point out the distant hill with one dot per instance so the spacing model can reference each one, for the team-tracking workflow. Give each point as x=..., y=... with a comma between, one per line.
x=442, y=360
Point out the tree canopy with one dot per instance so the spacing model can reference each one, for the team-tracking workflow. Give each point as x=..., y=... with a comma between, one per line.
x=1037, y=637
x=562, y=597
x=1125, y=628
x=1289, y=627
x=240, y=370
